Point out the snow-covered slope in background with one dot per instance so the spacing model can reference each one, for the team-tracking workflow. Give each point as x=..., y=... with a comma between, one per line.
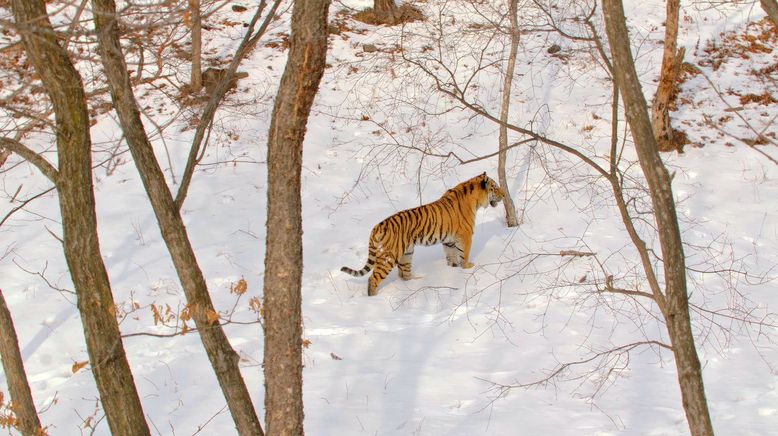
x=435, y=355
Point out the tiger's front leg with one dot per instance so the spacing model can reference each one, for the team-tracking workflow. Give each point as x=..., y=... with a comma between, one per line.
x=466, y=241
x=453, y=253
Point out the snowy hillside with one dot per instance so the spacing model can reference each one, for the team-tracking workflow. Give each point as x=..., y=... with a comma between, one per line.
x=452, y=352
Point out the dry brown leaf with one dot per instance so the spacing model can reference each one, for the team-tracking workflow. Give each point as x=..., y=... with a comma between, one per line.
x=77, y=366
x=240, y=287
x=212, y=316
x=185, y=314
x=255, y=304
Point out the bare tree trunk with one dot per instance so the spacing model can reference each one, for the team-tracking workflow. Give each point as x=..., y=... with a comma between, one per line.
x=510, y=209
x=223, y=358
x=676, y=310
x=284, y=254
x=387, y=10
x=196, y=24
x=13, y=366
x=79, y=222
x=771, y=9
x=671, y=67
x=209, y=111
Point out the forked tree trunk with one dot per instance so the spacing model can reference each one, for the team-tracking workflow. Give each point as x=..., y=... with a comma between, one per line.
x=13, y=366
x=387, y=10
x=284, y=253
x=676, y=310
x=223, y=358
x=195, y=23
x=671, y=67
x=79, y=222
x=510, y=209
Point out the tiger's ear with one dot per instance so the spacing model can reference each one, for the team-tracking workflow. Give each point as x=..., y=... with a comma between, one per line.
x=484, y=181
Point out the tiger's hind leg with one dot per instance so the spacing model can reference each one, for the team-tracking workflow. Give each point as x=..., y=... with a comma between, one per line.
x=404, y=264
x=383, y=265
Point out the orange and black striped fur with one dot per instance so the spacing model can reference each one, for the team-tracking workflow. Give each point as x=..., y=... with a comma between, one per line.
x=449, y=220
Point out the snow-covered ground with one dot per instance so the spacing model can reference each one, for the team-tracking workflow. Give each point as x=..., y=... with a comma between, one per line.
x=442, y=354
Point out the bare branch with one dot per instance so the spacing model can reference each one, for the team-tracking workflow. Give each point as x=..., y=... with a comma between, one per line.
x=32, y=157
x=561, y=369
x=206, y=119
x=24, y=204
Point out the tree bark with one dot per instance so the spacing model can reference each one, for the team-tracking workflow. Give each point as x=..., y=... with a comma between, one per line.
x=196, y=25
x=771, y=9
x=387, y=10
x=676, y=310
x=510, y=209
x=13, y=366
x=223, y=358
x=79, y=222
x=671, y=67
x=284, y=254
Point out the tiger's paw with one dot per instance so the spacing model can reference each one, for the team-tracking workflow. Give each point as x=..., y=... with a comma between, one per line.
x=411, y=277
x=468, y=265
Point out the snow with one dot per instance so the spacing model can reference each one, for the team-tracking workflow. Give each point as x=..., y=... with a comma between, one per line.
x=436, y=355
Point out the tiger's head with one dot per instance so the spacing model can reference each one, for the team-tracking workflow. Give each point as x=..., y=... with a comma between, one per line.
x=494, y=194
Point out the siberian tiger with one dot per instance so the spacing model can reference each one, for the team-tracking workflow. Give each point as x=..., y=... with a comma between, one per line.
x=448, y=220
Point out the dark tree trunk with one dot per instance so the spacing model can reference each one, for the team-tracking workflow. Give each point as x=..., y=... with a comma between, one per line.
x=771, y=9
x=284, y=255
x=196, y=26
x=79, y=223
x=671, y=67
x=13, y=366
x=676, y=310
x=386, y=10
x=223, y=358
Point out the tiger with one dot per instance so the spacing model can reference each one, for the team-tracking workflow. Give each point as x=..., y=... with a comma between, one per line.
x=449, y=220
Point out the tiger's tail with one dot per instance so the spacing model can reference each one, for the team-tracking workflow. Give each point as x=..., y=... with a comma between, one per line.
x=371, y=256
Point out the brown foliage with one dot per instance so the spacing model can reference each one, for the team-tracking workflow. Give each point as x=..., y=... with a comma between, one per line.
x=765, y=99
x=759, y=38
x=406, y=13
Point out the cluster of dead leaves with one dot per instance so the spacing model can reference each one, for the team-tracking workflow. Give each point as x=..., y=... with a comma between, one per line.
x=755, y=42
x=8, y=419
x=240, y=287
x=764, y=99
x=759, y=38
x=165, y=315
